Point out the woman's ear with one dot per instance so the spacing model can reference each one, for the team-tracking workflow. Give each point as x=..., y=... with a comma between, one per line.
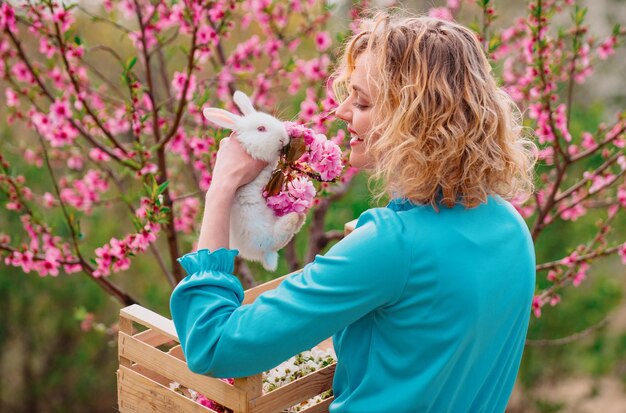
x=243, y=102
x=221, y=117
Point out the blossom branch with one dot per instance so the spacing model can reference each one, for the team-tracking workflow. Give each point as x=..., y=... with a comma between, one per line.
x=606, y=141
x=566, y=194
x=570, y=338
x=106, y=285
x=70, y=73
x=581, y=258
x=51, y=98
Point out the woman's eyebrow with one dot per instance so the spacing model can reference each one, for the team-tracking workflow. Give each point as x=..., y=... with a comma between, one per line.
x=361, y=91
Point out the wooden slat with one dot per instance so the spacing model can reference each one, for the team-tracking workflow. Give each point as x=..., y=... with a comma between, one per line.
x=177, y=352
x=349, y=227
x=151, y=320
x=139, y=394
x=171, y=367
x=151, y=375
x=252, y=385
x=295, y=392
x=251, y=294
x=321, y=407
x=153, y=338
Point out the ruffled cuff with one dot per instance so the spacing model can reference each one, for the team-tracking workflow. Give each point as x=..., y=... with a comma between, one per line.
x=202, y=260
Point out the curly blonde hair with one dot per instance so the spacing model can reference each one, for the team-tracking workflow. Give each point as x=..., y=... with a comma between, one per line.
x=447, y=133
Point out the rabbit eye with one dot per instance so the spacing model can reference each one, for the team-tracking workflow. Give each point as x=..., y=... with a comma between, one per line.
x=261, y=129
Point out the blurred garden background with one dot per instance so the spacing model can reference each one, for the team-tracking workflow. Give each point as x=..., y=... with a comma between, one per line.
x=124, y=100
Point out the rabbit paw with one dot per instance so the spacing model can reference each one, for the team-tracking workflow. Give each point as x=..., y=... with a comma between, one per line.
x=292, y=222
x=286, y=227
x=270, y=261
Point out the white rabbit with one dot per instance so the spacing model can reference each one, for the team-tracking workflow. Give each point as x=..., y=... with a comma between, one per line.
x=254, y=228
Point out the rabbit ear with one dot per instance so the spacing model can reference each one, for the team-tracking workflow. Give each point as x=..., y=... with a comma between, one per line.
x=221, y=117
x=244, y=103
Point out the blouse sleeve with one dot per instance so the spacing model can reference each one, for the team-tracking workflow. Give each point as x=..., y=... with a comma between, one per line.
x=222, y=338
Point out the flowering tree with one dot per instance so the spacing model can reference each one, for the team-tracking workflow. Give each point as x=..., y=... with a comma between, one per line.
x=577, y=173
x=104, y=142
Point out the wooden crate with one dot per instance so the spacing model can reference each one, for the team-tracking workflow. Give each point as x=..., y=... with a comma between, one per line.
x=151, y=358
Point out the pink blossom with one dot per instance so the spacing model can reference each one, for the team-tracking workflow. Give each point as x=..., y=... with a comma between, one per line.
x=64, y=18
x=570, y=259
x=552, y=276
x=185, y=218
x=606, y=48
x=581, y=274
x=48, y=200
x=60, y=110
x=87, y=323
x=536, y=306
x=19, y=259
x=314, y=69
x=280, y=203
x=206, y=34
x=561, y=122
x=296, y=130
x=322, y=41
x=573, y=213
x=588, y=141
x=75, y=162
x=600, y=182
x=11, y=98
x=178, y=84
x=621, y=196
x=308, y=108
x=453, y=4
x=46, y=48
x=442, y=13
x=201, y=147
x=622, y=252
x=7, y=17
x=205, y=180
x=325, y=158
x=62, y=135
x=33, y=158
x=99, y=155
x=84, y=192
x=150, y=168
x=22, y=73
x=555, y=299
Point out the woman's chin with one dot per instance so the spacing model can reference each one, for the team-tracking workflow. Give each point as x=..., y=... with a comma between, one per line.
x=359, y=161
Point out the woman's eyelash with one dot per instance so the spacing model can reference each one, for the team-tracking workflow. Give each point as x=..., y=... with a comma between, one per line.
x=358, y=106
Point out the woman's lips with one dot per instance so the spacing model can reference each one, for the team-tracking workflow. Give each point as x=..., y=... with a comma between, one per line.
x=355, y=138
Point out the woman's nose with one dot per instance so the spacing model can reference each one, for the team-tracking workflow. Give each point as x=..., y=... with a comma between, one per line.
x=343, y=112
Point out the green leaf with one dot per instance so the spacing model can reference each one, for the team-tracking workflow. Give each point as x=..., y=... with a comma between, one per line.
x=616, y=29
x=162, y=187
x=580, y=15
x=131, y=63
x=80, y=313
x=290, y=65
x=78, y=40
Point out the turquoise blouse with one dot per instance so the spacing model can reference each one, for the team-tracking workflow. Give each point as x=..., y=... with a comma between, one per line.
x=428, y=310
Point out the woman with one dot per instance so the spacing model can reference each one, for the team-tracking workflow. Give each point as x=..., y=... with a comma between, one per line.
x=428, y=300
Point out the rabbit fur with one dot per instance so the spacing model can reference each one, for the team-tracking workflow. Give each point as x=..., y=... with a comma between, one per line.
x=254, y=228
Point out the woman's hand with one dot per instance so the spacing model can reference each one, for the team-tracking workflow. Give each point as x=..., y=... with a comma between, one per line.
x=234, y=167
